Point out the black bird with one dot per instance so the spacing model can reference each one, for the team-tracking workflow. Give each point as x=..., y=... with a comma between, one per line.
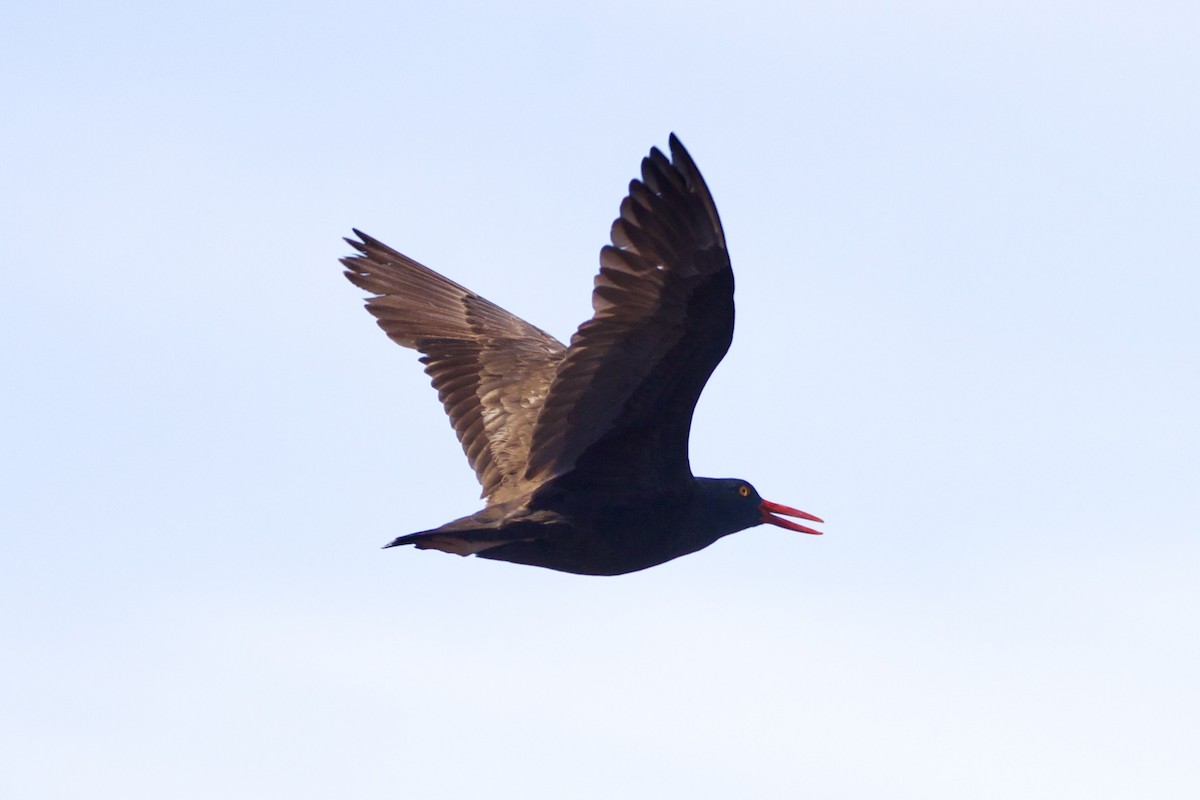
x=582, y=450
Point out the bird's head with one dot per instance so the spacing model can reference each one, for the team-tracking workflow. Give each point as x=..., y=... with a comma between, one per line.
x=734, y=505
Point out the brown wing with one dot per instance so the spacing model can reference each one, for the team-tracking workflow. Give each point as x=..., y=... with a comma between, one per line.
x=620, y=408
x=491, y=369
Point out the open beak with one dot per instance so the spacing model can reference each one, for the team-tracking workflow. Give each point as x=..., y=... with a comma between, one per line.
x=769, y=510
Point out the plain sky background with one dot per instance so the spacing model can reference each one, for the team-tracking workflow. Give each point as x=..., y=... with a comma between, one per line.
x=967, y=243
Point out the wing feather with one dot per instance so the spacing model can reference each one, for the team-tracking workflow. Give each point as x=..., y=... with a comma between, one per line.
x=619, y=409
x=491, y=368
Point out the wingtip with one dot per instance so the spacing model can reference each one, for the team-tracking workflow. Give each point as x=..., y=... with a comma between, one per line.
x=680, y=156
x=678, y=151
x=364, y=240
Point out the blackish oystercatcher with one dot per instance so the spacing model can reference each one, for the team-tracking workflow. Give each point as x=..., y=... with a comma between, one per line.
x=582, y=450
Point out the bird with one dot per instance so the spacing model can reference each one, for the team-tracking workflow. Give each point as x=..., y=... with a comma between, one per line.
x=582, y=449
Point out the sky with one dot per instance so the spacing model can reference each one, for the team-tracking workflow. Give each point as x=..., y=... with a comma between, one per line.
x=966, y=245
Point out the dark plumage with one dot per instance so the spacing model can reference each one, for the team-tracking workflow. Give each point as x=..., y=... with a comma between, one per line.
x=582, y=451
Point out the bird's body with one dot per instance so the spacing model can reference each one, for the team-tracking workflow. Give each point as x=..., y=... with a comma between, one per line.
x=582, y=450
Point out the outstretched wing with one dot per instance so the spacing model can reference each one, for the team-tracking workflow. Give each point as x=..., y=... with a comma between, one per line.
x=491, y=369
x=620, y=408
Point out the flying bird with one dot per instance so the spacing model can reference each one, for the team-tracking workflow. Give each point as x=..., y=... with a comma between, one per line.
x=582, y=449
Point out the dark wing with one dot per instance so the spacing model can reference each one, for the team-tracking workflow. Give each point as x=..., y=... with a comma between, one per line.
x=620, y=408
x=491, y=369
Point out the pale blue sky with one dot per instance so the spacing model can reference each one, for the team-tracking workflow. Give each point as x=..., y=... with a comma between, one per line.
x=967, y=247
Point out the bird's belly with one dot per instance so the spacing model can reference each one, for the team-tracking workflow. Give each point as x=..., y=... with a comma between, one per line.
x=614, y=541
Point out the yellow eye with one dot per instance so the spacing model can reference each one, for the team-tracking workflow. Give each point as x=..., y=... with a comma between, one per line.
x=744, y=490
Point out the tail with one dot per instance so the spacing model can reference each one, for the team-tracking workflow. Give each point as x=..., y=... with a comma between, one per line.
x=458, y=543
x=494, y=526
